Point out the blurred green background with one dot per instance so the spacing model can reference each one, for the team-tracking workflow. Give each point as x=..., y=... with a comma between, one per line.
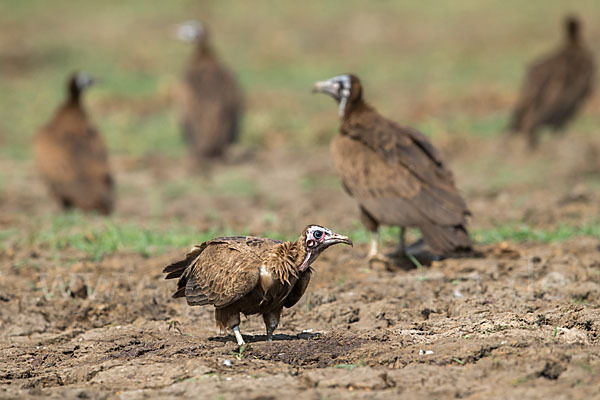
x=451, y=69
x=417, y=60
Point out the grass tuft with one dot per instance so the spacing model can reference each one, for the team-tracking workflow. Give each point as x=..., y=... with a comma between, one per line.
x=520, y=233
x=97, y=237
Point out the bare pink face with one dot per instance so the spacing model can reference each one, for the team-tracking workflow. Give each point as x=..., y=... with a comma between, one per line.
x=318, y=238
x=316, y=235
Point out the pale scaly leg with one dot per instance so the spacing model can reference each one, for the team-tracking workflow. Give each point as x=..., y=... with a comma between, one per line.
x=238, y=336
x=373, y=252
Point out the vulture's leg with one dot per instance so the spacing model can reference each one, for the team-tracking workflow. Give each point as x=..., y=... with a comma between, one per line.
x=401, y=249
x=238, y=336
x=271, y=321
x=374, y=251
x=230, y=318
x=373, y=226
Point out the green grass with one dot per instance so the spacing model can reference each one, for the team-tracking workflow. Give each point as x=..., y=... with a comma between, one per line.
x=230, y=183
x=97, y=237
x=520, y=233
x=408, y=53
x=514, y=232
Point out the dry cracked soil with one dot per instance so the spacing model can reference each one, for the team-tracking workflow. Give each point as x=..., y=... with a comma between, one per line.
x=515, y=320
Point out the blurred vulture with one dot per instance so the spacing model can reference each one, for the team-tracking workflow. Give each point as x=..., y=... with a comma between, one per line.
x=210, y=103
x=395, y=174
x=71, y=156
x=250, y=275
x=555, y=87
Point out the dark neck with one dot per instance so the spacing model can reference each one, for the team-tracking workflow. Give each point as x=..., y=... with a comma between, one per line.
x=74, y=96
x=573, y=34
x=355, y=109
x=203, y=49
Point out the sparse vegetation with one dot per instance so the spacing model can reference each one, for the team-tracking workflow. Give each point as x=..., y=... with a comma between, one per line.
x=450, y=69
x=97, y=237
x=520, y=233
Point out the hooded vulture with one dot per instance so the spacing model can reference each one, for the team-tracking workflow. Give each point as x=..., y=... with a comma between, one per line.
x=555, y=86
x=250, y=275
x=71, y=155
x=210, y=101
x=395, y=174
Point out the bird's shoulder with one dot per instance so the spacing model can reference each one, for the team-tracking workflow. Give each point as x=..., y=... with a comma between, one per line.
x=398, y=145
x=209, y=74
x=236, y=253
x=251, y=244
x=225, y=269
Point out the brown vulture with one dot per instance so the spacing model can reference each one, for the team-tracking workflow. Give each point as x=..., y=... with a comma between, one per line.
x=250, y=275
x=556, y=86
x=395, y=174
x=71, y=155
x=210, y=101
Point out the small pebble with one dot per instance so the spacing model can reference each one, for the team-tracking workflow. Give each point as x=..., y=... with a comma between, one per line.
x=227, y=363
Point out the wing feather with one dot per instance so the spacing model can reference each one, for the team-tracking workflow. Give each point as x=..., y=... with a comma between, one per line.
x=210, y=107
x=553, y=89
x=220, y=271
x=73, y=160
x=397, y=175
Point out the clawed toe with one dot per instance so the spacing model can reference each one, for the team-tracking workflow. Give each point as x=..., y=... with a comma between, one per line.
x=379, y=259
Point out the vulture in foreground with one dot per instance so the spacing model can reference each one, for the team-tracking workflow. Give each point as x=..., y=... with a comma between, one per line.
x=209, y=101
x=555, y=87
x=395, y=174
x=250, y=275
x=71, y=155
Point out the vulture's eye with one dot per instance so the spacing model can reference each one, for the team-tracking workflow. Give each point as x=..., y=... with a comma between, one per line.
x=318, y=234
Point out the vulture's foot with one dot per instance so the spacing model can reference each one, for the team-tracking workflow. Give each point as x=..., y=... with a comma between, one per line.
x=400, y=252
x=238, y=336
x=379, y=258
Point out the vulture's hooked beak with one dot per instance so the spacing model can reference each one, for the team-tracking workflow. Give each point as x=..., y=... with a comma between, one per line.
x=333, y=87
x=329, y=86
x=336, y=238
x=190, y=31
x=83, y=80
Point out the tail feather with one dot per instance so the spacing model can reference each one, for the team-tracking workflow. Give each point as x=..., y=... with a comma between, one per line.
x=176, y=269
x=446, y=239
x=181, y=269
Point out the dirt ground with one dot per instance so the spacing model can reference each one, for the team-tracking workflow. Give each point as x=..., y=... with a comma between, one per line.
x=513, y=321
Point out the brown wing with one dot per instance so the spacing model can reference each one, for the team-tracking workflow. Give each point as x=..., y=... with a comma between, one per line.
x=210, y=106
x=73, y=160
x=220, y=271
x=396, y=175
x=553, y=89
x=299, y=288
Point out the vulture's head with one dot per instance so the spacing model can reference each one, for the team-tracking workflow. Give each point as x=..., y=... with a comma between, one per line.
x=572, y=27
x=78, y=82
x=192, y=31
x=315, y=239
x=345, y=89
